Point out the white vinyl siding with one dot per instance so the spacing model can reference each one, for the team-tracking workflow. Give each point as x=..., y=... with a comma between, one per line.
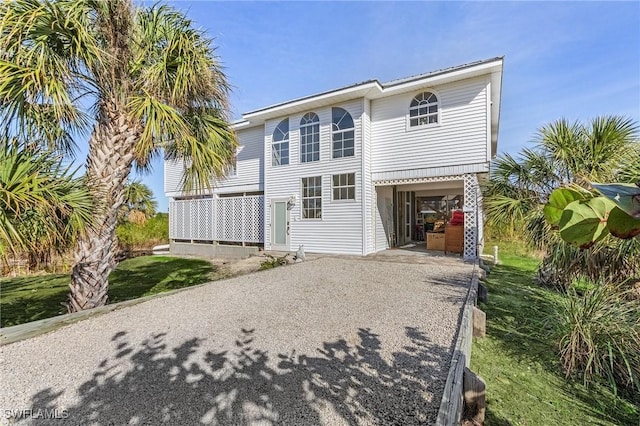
x=340, y=229
x=173, y=172
x=249, y=176
x=460, y=137
x=368, y=191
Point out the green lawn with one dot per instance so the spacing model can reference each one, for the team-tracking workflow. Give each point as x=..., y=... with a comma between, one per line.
x=36, y=297
x=517, y=358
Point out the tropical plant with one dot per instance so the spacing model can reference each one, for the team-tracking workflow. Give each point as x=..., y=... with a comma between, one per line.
x=139, y=204
x=43, y=208
x=565, y=154
x=585, y=217
x=140, y=80
x=600, y=336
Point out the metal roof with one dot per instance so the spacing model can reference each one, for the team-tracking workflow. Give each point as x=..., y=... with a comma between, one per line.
x=377, y=83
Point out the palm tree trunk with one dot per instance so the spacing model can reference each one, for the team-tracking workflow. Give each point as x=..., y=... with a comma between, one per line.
x=108, y=167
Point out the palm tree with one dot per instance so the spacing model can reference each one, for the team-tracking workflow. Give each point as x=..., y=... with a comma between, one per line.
x=138, y=80
x=43, y=208
x=139, y=205
x=604, y=150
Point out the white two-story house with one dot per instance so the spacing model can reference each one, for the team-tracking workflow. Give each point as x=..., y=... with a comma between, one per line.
x=350, y=170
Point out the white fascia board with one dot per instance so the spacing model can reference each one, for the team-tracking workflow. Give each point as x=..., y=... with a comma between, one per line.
x=240, y=124
x=496, y=96
x=313, y=101
x=445, y=77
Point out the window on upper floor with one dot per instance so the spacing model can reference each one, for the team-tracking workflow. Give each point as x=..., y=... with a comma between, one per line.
x=423, y=109
x=309, y=138
x=312, y=197
x=342, y=133
x=280, y=144
x=344, y=186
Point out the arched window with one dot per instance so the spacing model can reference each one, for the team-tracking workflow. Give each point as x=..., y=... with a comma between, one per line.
x=342, y=134
x=309, y=138
x=280, y=144
x=423, y=109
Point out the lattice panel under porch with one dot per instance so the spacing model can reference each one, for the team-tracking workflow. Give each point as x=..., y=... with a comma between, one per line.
x=202, y=219
x=240, y=219
x=254, y=219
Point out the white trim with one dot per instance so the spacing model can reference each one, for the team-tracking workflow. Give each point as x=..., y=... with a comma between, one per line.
x=488, y=118
x=355, y=186
x=419, y=180
x=302, y=198
x=342, y=132
x=379, y=178
x=306, y=126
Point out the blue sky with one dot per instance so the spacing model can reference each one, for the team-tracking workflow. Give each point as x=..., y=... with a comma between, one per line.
x=575, y=60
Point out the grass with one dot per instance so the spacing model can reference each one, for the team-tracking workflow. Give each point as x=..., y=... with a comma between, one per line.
x=518, y=358
x=35, y=297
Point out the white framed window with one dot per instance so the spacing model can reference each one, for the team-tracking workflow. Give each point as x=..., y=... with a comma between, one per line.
x=309, y=138
x=342, y=133
x=312, y=197
x=343, y=186
x=423, y=109
x=280, y=144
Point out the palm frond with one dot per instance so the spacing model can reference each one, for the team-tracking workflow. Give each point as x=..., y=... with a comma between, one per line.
x=41, y=204
x=47, y=47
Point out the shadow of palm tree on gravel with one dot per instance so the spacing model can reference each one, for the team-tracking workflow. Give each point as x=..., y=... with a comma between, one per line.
x=151, y=383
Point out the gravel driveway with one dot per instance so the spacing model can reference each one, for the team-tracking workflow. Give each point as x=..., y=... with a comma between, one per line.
x=329, y=341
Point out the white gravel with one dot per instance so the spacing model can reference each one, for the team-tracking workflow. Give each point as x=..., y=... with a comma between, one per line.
x=329, y=341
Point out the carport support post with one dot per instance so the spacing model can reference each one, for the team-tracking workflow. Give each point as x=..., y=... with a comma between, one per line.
x=395, y=216
x=470, y=209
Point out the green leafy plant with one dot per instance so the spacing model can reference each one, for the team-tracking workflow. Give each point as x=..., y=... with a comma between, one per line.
x=584, y=218
x=519, y=197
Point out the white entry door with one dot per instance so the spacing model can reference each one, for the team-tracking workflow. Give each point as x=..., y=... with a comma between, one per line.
x=279, y=225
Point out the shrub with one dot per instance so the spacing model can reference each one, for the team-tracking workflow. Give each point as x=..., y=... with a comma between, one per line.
x=273, y=262
x=134, y=236
x=600, y=336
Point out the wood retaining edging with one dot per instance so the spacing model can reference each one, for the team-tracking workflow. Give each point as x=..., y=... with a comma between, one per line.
x=15, y=333
x=452, y=404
